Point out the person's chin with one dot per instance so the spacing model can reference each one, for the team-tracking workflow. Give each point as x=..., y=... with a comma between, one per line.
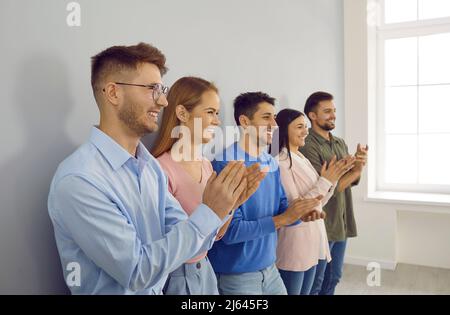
x=268, y=141
x=207, y=136
x=152, y=127
x=206, y=139
x=331, y=126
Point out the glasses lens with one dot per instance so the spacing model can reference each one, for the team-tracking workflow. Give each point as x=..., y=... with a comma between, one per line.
x=159, y=89
x=157, y=92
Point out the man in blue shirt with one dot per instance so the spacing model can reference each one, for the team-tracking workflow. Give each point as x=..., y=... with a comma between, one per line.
x=244, y=259
x=117, y=228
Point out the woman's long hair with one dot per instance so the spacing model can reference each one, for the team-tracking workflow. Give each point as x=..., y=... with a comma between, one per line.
x=186, y=91
x=283, y=119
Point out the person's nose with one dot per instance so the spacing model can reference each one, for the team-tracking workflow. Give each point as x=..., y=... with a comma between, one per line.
x=216, y=121
x=162, y=101
x=273, y=123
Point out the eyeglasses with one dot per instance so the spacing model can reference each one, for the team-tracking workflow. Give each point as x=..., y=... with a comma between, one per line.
x=157, y=88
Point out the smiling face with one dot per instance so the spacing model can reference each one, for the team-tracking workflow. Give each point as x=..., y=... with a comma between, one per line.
x=324, y=116
x=297, y=132
x=136, y=108
x=263, y=123
x=207, y=111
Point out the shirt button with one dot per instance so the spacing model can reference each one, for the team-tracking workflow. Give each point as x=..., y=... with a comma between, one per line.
x=199, y=265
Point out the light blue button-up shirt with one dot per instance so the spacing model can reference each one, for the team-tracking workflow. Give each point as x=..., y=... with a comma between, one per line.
x=116, y=225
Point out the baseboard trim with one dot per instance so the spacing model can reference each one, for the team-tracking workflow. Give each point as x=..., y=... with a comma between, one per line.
x=364, y=261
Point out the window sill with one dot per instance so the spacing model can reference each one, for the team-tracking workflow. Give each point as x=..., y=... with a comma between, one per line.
x=440, y=200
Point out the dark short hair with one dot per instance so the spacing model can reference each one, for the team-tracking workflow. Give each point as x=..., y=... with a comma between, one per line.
x=247, y=104
x=122, y=58
x=314, y=100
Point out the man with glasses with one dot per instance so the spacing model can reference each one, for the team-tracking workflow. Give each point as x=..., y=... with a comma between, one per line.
x=117, y=228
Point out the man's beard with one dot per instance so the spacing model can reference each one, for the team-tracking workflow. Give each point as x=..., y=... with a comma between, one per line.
x=327, y=126
x=130, y=117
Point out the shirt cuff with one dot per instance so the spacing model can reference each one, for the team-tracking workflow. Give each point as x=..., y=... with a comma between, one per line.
x=267, y=225
x=324, y=184
x=206, y=220
x=226, y=219
x=295, y=223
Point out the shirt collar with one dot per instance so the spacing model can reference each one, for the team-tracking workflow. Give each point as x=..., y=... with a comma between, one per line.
x=113, y=152
x=235, y=152
x=293, y=154
x=142, y=152
x=319, y=138
x=242, y=155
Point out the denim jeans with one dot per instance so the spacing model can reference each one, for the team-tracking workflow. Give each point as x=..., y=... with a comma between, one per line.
x=298, y=282
x=192, y=279
x=264, y=282
x=329, y=274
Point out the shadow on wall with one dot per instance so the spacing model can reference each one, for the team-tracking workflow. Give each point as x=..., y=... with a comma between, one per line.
x=29, y=261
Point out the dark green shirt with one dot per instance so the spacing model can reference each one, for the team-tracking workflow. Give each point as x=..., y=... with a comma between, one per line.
x=340, y=220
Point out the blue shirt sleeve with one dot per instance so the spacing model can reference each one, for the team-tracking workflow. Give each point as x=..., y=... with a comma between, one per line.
x=241, y=230
x=203, y=218
x=174, y=213
x=106, y=236
x=284, y=204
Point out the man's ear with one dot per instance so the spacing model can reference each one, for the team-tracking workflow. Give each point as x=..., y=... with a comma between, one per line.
x=112, y=94
x=244, y=121
x=182, y=113
x=312, y=116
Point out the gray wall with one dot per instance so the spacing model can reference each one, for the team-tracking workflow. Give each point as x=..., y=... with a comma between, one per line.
x=287, y=48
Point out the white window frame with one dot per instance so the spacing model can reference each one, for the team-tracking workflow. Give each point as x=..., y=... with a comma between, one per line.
x=391, y=31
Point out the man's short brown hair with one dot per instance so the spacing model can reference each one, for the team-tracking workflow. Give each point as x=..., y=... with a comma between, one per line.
x=119, y=59
x=313, y=101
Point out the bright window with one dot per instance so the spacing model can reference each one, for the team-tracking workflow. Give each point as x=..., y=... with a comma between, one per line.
x=413, y=119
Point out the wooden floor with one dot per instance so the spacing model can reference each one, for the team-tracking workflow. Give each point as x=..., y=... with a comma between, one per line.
x=406, y=279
